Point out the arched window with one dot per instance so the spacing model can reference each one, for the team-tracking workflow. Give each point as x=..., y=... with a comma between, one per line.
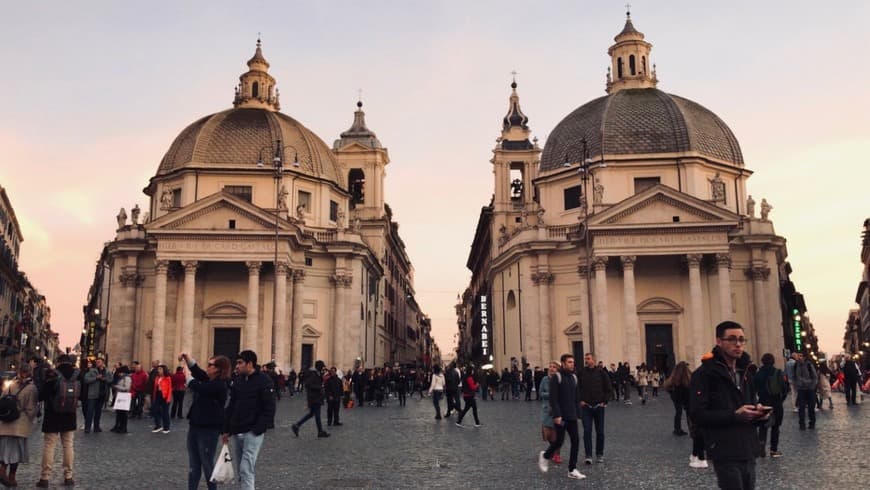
x=255, y=91
x=618, y=67
x=511, y=300
x=643, y=65
x=631, y=67
x=356, y=180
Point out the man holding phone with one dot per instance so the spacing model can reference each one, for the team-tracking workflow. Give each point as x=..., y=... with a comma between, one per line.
x=723, y=407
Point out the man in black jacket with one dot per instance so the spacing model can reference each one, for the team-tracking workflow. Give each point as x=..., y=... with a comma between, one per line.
x=451, y=389
x=333, y=388
x=313, y=382
x=595, y=391
x=564, y=395
x=250, y=413
x=722, y=406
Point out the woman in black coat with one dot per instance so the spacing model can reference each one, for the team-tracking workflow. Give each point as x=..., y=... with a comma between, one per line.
x=206, y=415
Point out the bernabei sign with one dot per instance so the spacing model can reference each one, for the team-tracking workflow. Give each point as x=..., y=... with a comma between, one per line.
x=484, y=325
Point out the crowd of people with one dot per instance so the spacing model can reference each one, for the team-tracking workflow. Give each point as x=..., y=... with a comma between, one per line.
x=733, y=408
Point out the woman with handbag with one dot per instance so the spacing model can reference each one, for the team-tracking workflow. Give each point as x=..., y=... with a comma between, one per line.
x=14, y=433
x=548, y=429
x=209, y=388
x=122, y=386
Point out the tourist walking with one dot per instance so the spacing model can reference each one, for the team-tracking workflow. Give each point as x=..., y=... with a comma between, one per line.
x=313, y=383
x=469, y=391
x=726, y=416
x=249, y=414
x=59, y=396
x=823, y=390
x=209, y=390
x=452, y=379
x=772, y=388
x=806, y=380
x=677, y=385
x=14, y=433
x=436, y=389
x=548, y=429
x=595, y=392
x=402, y=387
x=563, y=407
x=642, y=380
x=851, y=376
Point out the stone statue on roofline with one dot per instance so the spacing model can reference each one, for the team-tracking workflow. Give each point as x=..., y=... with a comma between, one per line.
x=134, y=215
x=122, y=218
x=750, y=207
x=765, y=209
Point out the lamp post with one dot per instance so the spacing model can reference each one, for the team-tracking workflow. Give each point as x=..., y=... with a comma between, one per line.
x=278, y=175
x=585, y=171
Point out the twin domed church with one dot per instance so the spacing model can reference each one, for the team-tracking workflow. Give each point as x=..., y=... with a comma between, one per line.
x=260, y=236
x=630, y=234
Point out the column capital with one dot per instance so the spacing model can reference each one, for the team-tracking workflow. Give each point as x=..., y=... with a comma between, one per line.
x=341, y=280
x=254, y=266
x=545, y=278
x=694, y=260
x=723, y=260
x=130, y=278
x=599, y=262
x=298, y=275
x=628, y=261
x=190, y=266
x=161, y=266
x=582, y=270
x=758, y=272
x=282, y=268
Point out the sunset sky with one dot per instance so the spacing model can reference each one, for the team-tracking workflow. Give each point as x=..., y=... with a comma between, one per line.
x=94, y=93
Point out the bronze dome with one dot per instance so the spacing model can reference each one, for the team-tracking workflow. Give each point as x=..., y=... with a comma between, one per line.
x=640, y=121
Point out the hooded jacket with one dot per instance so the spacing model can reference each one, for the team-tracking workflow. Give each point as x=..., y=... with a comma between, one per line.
x=714, y=397
x=56, y=422
x=252, y=405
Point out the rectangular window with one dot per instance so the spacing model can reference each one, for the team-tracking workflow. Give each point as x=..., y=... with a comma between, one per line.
x=304, y=200
x=572, y=197
x=232, y=224
x=643, y=183
x=309, y=261
x=333, y=211
x=176, y=198
x=245, y=192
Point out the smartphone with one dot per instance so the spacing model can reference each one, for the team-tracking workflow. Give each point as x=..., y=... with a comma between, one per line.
x=766, y=409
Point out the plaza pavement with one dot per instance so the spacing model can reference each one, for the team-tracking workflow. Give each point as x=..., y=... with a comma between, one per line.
x=394, y=447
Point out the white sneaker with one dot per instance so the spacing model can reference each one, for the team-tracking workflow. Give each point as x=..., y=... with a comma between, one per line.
x=702, y=463
x=576, y=475
x=692, y=459
x=543, y=464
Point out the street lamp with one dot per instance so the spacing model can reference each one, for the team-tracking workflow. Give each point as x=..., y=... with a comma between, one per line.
x=585, y=171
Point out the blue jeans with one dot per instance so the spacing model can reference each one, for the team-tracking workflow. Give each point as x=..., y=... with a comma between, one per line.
x=313, y=411
x=436, y=400
x=806, y=403
x=593, y=415
x=201, y=447
x=160, y=413
x=246, y=447
x=737, y=475
x=93, y=411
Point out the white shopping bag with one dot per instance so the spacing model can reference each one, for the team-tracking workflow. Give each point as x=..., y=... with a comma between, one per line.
x=223, y=467
x=122, y=402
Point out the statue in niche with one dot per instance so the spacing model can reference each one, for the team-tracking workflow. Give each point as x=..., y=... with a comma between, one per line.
x=282, y=197
x=750, y=206
x=356, y=225
x=598, y=192
x=122, y=218
x=166, y=199
x=765, y=209
x=134, y=215
x=540, y=214
x=717, y=188
x=525, y=214
x=339, y=220
x=300, y=212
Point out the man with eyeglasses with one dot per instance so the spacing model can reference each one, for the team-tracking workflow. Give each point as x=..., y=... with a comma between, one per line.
x=724, y=408
x=251, y=411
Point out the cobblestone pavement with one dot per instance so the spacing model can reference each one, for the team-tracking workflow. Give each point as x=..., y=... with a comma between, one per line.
x=394, y=447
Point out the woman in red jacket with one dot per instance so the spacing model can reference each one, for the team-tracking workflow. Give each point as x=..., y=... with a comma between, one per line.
x=469, y=388
x=179, y=384
x=162, y=397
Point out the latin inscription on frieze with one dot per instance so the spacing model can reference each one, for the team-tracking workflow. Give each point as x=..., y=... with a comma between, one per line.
x=659, y=240
x=215, y=246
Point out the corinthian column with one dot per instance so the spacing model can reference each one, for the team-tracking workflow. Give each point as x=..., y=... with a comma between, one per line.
x=723, y=265
x=296, y=358
x=599, y=263
x=161, y=267
x=131, y=280
x=759, y=273
x=342, y=283
x=632, y=332
x=696, y=306
x=252, y=321
x=548, y=337
x=187, y=305
x=281, y=341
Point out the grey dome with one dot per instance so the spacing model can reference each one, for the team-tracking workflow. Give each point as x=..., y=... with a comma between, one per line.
x=640, y=121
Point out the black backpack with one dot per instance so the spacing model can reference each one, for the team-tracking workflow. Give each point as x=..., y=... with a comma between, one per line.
x=9, y=410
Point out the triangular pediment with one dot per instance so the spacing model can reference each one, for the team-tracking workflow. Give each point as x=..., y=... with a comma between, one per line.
x=309, y=331
x=663, y=205
x=575, y=329
x=216, y=212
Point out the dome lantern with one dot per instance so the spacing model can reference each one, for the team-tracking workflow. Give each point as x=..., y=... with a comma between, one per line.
x=630, y=61
x=515, y=125
x=256, y=88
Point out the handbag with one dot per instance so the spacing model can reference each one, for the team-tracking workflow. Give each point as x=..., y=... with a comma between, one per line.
x=223, y=467
x=122, y=401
